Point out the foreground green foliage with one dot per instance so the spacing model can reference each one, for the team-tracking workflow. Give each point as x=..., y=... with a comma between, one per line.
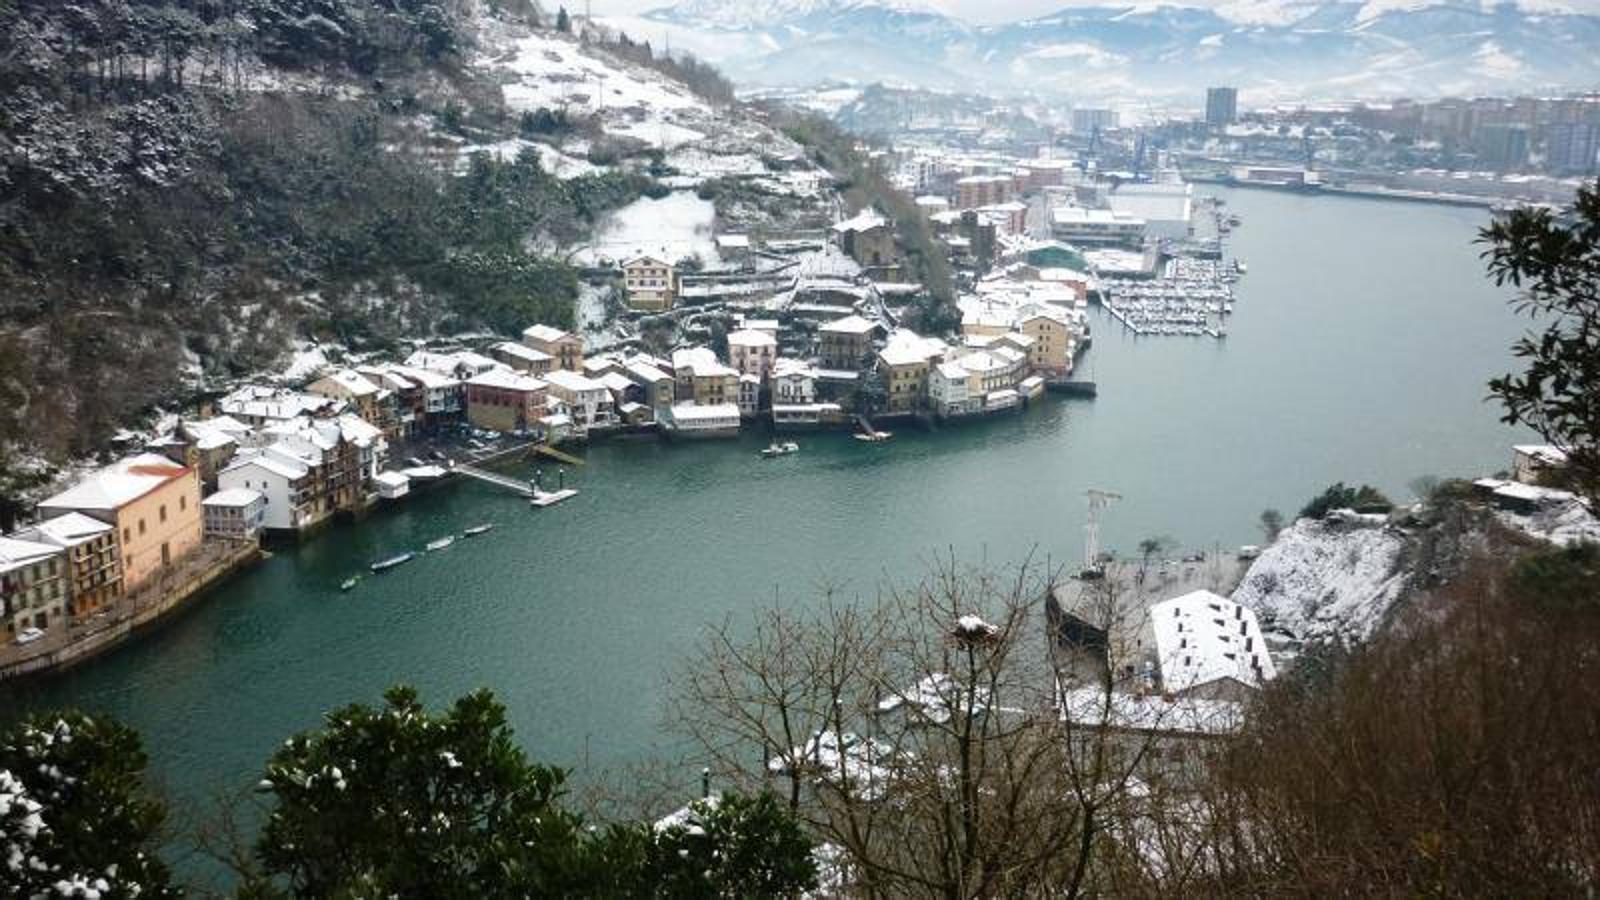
x=1554, y=262
x=1363, y=499
x=75, y=813
x=386, y=801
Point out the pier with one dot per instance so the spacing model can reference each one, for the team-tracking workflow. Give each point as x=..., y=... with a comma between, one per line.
x=523, y=488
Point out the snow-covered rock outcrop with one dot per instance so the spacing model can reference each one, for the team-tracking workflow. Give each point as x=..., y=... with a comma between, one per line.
x=1325, y=580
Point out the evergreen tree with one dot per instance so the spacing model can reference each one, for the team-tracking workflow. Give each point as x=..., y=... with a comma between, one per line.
x=76, y=818
x=1555, y=264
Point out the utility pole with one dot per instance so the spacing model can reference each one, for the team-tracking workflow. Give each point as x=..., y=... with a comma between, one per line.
x=1098, y=500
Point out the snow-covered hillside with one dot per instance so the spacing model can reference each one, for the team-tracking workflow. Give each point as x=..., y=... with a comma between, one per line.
x=1325, y=581
x=632, y=103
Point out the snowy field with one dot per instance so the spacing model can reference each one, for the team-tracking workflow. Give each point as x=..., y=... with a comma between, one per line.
x=677, y=226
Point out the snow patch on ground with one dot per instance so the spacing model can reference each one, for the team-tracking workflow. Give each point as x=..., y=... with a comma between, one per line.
x=310, y=360
x=1324, y=581
x=1563, y=522
x=676, y=226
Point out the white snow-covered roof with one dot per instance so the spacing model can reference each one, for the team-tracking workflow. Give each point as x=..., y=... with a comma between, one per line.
x=545, y=333
x=16, y=553
x=749, y=337
x=792, y=368
x=117, y=484
x=279, y=466
x=351, y=382
x=508, y=380
x=1150, y=713
x=391, y=480
x=359, y=431
x=232, y=498
x=1548, y=454
x=866, y=220
x=648, y=373
x=523, y=352
x=689, y=412
x=907, y=348
x=616, y=382
x=66, y=531
x=733, y=241
x=572, y=381
x=851, y=324
x=1203, y=637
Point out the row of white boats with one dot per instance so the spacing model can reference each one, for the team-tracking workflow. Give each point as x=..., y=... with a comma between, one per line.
x=387, y=563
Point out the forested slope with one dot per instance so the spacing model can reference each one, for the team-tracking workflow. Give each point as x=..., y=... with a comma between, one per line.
x=187, y=185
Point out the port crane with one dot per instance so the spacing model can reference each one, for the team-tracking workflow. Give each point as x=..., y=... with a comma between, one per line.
x=1098, y=501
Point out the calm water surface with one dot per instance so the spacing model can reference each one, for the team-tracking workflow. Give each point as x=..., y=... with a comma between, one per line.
x=1361, y=341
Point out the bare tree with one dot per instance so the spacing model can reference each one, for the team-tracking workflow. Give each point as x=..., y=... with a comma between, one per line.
x=926, y=734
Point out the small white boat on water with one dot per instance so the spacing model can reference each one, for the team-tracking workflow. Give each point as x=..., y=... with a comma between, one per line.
x=874, y=437
x=476, y=530
x=349, y=583
x=783, y=449
x=442, y=543
x=386, y=564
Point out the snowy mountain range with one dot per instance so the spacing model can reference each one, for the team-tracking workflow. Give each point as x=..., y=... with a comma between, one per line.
x=1272, y=49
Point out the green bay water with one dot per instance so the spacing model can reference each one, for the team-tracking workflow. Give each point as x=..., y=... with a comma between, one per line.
x=1361, y=341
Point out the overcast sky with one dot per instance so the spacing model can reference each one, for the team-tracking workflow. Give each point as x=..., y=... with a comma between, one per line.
x=982, y=11
x=990, y=11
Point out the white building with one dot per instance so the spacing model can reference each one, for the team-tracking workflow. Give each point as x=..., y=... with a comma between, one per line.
x=234, y=514
x=947, y=390
x=586, y=400
x=1078, y=225
x=1166, y=207
x=752, y=352
x=687, y=420
x=793, y=382
x=285, y=486
x=1207, y=645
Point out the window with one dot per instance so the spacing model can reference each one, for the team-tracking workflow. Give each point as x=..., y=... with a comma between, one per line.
x=141, y=526
x=127, y=534
x=183, y=503
x=163, y=512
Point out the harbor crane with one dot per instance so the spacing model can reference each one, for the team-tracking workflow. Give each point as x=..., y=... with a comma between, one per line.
x=1098, y=500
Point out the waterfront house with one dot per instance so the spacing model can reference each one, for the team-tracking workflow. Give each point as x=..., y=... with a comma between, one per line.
x=523, y=358
x=807, y=416
x=153, y=502
x=793, y=382
x=844, y=344
x=651, y=285
x=586, y=400
x=657, y=387
x=1052, y=339
x=733, y=248
x=506, y=401
x=564, y=347
x=371, y=447
x=93, y=559
x=905, y=360
x=286, y=485
x=702, y=378
x=236, y=514
x=31, y=591
x=948, y=394
x=1205, y=645
x=691, y=421
x=205, y=445
x=752, y=352
x=749, y=395
x=339, y=467
x=601, y=365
